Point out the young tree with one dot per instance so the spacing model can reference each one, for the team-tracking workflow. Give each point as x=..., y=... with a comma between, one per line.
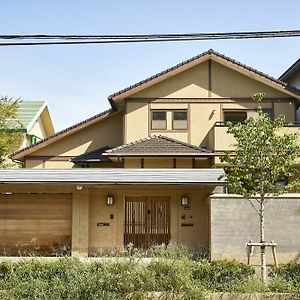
x=264, y=157
x=10, y=134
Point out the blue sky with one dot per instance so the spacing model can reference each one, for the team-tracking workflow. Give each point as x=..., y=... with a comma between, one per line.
x=76, y=80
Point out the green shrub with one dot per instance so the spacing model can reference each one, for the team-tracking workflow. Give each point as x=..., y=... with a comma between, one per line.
x=288, y=272
x=221, y=274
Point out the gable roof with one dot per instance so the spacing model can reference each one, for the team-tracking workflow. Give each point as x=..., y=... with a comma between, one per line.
x=59, y=135
x=290, y=71
x=29, y=111
x=156, y=145
x=210, y=54
x=92, y=156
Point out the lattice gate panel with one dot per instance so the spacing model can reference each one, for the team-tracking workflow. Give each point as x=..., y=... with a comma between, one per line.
x=147, y=221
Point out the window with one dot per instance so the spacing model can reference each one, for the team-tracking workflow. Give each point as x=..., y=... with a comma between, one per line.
x=159, y=120
x=180, y=120
x=235, y=116
x=269, y=112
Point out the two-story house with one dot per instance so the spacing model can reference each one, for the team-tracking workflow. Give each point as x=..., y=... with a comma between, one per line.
x=146, y=170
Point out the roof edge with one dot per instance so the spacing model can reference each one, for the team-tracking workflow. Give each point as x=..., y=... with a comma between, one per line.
x=290, y=71
x=113, y=98
x=19, y=154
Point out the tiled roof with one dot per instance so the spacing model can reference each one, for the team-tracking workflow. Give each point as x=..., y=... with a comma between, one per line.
x=210, y=54
x=92, y=156
x=157, y=144
x=291, y=70
x=60, y=134
x=28, y=110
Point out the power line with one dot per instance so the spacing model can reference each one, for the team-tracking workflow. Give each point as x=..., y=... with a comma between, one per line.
x=34, y=40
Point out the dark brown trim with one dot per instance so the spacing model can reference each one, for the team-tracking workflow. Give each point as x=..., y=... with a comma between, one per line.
x=209, y=78
x=210, y=100
x=189, y=123
x=203, y=154
x=221, y=113
x=193, y=163
x=149, y=119
x=49, y=158
x=174, y=163
x=125, y=125
x=176, y=131
x=142, y=163
x=151, y=116
x=187, y=119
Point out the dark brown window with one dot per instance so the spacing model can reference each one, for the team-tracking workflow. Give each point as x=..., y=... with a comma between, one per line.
x=180, y=120
x=159, y=120
x=235, y=116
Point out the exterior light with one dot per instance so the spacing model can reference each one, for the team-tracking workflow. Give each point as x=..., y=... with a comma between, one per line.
x=185, y=201
x=110, y=200
x=78, y=187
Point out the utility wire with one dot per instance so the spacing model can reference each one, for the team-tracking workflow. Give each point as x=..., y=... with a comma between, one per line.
x=34, y=40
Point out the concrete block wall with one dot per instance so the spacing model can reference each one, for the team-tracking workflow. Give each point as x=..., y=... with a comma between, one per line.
x=234, y=222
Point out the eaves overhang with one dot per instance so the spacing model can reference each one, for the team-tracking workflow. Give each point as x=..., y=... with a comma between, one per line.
x=113, y=176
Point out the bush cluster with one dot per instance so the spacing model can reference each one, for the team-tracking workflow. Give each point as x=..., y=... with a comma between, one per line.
x=172, y=271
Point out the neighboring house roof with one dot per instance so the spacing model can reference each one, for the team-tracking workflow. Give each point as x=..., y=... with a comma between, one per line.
x=30, y=111
x=92, y=156
x=211, y=54
x=156, y=145
x=113, y=176
x=290, y=71
x=61, y=134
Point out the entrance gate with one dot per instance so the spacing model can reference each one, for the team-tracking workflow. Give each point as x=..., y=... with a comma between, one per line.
x=147, y=221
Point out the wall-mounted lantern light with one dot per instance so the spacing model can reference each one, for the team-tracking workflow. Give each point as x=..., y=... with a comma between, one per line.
x=185, y=200
x=110, y=200
x=79, y=187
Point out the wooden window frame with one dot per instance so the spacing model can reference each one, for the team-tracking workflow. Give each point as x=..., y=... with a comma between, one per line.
x=187, y=120
x=166, y=121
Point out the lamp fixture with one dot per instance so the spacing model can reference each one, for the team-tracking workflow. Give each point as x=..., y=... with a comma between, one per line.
x=110, y=200
x=185, y=201
x=79, y=187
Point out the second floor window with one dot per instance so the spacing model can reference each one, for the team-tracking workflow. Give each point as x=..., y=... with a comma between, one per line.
x=180, y=120
x=235, y=116
x=159, y=120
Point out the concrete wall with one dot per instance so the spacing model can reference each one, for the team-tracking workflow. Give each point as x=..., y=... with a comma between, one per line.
x=234, y=222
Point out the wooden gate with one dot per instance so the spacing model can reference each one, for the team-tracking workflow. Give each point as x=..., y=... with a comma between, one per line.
x=147, y=221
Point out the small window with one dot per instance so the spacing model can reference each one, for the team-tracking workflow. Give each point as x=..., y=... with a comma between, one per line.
x=269, y=112
x=235, y=116
x=159, y=120
x=180, y=120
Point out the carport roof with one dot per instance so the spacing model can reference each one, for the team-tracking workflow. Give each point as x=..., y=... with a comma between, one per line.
x=111, y=176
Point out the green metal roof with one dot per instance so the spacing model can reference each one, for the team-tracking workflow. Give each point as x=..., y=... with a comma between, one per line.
x=28, y=110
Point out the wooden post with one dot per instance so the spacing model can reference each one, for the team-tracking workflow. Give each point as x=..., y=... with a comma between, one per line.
x=274, y=254
x=251, y=245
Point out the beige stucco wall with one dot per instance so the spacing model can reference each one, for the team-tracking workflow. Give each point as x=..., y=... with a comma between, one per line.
x=108, y=132
x=287, y=109
x=230, y=83
x=190, y=83
x=136, y=121
x=112, y=236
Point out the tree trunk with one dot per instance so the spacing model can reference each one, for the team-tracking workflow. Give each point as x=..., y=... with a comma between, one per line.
x=262, y=240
